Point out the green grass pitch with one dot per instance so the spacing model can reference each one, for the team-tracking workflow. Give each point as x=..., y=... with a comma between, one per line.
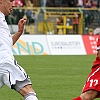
x=53, y=77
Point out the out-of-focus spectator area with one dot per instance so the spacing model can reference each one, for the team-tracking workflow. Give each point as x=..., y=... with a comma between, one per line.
x=56, y=16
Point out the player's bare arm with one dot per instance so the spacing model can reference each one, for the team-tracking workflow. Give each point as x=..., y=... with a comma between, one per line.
x=21, y=24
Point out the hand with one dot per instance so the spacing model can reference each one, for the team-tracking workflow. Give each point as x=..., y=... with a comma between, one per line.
x=21, y=24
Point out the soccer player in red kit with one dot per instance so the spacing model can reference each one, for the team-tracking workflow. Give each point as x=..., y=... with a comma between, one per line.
x=91, y=89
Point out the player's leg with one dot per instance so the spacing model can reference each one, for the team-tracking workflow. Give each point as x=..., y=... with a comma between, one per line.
x=88, y=95
x=28, y=93
x=25, y=89
x=16, y=78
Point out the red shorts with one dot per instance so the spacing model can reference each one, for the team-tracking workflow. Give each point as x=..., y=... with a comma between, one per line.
x=93, y=81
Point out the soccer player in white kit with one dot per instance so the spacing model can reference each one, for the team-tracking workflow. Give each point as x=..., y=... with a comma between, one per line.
x=12, y=74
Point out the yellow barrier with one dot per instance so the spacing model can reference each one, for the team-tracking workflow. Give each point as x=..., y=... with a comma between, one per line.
x=42, y=27
x=64, y=27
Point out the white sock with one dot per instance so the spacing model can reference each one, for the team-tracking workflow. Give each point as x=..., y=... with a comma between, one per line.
x=30, y=96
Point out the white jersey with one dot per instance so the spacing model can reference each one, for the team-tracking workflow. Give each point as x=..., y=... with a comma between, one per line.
x=10, y=71
x=5, y=40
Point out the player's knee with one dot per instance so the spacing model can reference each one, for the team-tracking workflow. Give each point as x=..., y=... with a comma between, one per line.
x=86, y=97
x=89, y=95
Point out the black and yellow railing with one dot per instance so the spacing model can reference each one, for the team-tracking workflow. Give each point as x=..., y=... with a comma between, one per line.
x=47, y=25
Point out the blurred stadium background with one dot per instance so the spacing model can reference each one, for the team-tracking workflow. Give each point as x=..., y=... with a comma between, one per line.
x=63, y=18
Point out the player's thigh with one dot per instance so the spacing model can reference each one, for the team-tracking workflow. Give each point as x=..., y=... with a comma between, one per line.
x=89, y=95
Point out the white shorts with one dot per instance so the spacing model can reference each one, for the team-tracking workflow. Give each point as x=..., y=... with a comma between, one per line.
x=13, y=75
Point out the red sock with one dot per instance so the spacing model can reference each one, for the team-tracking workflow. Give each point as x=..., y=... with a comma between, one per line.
x=78, y=98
